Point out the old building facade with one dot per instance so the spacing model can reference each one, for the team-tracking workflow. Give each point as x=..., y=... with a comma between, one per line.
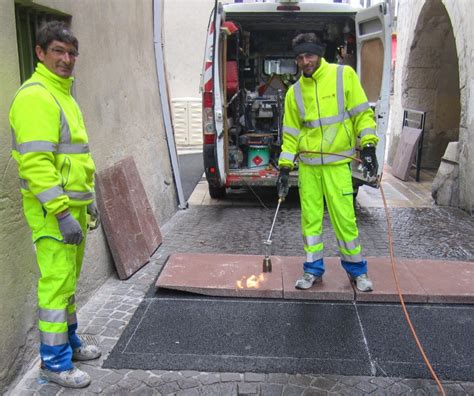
x=116, y=86
x=433, y=74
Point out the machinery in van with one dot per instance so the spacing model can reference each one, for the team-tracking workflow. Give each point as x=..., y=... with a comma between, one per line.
x=249, y=66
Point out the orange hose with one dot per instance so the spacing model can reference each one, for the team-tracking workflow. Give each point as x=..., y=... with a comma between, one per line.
x=395, y=274
x=402, y=301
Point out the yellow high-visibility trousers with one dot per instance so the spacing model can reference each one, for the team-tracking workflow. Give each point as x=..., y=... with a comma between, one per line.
x=330, y=184
x=60, y=266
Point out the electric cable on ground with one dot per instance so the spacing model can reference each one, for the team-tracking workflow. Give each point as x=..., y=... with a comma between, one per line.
x=254, y=193
x=395, y=274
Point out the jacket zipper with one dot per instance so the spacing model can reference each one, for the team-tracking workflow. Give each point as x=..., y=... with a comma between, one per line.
x=319, y=119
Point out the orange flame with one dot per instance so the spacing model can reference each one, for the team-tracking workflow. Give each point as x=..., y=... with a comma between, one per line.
x=252, y=282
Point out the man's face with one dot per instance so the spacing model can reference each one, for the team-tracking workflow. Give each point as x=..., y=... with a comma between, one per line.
x=59, y=58
x=308, y=63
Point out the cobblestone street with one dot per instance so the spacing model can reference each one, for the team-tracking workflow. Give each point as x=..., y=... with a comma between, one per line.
x=430, y=232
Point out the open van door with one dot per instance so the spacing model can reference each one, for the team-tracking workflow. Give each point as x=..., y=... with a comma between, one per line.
x=217, y=70
x=374, y=53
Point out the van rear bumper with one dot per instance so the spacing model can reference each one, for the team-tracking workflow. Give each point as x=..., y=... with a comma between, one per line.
x=256, y=177
x=210, y=165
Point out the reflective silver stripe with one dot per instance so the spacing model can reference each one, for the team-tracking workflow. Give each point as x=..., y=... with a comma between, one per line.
x=358, y=109
x=349, y=245
x=53, y=315
x=71, y=318
x=299, y=99
x=65, y=137
x=56, y=191
x=71, y=148
x=313, y=256
x=14, y=145
x=80, y=196
x=367, y=131
x=65, y=133
x=311, y=240
x=340, y=89
x=354, y=258
x=326, y=121
x=30, y=85
x=53, y=339
x=287, y=156
x=36, y=146
x=291, y=131
x=341, y=114
x=49, y=194
x=326, y=159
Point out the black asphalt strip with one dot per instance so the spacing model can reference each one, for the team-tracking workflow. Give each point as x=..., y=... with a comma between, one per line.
x=173, y=332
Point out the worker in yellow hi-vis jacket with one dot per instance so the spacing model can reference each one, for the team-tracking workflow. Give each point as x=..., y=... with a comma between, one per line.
x=56, y=170
x=326, y=110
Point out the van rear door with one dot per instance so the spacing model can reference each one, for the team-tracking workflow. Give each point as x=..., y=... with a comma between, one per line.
x=217, y=65
x=374, y=43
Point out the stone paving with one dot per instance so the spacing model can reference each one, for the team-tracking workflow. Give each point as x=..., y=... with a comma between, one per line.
x=418, y=232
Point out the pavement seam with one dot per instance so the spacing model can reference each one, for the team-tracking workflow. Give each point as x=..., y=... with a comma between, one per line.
x=138, y=325
x=373, y=370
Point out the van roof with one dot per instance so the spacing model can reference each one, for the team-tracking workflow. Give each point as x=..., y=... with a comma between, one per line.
x=304, y=7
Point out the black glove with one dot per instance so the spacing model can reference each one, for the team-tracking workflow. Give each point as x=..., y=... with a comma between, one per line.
x=282, y=182
x=369, y=161
x=70, y=229
x=94, y=216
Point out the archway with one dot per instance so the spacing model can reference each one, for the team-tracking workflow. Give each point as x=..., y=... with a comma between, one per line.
x=431, y=81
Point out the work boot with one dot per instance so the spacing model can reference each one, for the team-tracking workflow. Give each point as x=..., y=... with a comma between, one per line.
x=363, y=283
x=73, y=378
x=307, y=280
x=88, y=350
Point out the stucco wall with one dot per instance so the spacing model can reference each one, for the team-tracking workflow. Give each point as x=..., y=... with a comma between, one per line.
x=116, y=87
x=17, y=262
x=184, y=56
x=459, y=12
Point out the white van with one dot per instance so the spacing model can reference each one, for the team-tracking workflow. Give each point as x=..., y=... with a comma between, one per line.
x=249, y=66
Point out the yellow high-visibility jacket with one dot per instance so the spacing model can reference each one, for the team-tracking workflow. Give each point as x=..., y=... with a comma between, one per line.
x=326, y=113
x=50, y=143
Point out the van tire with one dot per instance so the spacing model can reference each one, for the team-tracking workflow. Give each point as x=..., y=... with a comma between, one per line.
x=217, y=192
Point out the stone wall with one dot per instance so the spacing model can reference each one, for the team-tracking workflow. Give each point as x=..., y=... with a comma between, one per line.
x=117, y=89
x=434, y=55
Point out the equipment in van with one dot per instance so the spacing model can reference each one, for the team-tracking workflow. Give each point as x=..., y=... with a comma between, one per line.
x=260, y=49
x=249, y=66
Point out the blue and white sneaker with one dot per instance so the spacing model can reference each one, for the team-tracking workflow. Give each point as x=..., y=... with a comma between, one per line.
x=73, y=378
x=307, y=280
x=363, y=283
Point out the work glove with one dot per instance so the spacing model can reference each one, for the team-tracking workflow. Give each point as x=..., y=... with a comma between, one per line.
x=94, y=214
x=370, y=165
x=70, y=229
x=282, y=183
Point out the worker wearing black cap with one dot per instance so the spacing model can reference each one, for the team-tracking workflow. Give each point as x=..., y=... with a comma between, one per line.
x=326, y=110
